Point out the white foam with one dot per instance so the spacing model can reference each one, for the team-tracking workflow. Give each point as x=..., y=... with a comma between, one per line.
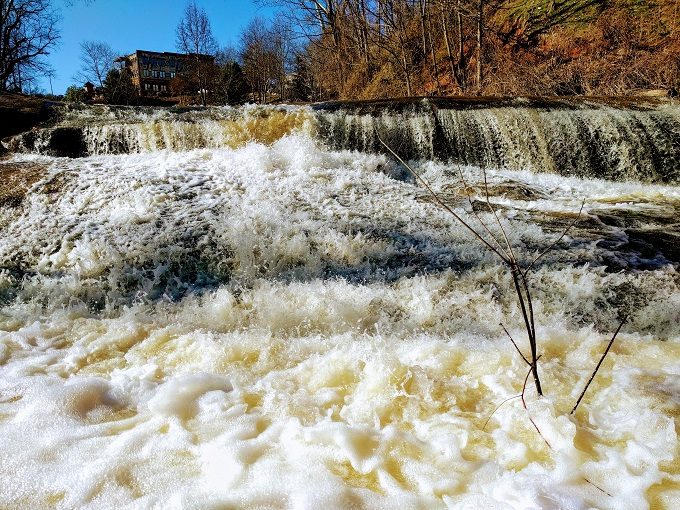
x=285, y=326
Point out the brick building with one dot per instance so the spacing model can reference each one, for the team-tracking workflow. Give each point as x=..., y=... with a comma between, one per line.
x=152, y=71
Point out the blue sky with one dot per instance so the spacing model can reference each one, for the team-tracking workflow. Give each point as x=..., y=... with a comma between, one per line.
x=128, y=25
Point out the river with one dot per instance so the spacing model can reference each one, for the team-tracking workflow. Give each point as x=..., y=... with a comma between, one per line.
x=257, y=308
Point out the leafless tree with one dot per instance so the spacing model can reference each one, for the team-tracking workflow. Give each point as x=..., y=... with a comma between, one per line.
x=28, y=31
x=257, y=58
x=195, y=37
x=268, y=52
x=324, y=24
x=96, y=60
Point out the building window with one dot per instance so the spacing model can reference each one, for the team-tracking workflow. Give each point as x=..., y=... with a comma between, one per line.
x=146, y=73
x=163, y=89
x=172, y=74
x=147, y=86
x=155, y=87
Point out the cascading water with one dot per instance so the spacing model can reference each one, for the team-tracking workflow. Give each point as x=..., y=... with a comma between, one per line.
x=130, y=130
x=569, y=138
x=222, y=308
x=581, y=139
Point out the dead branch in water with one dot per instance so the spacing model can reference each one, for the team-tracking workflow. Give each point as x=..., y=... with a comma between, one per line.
x=519, y=277
x=505, y=253
x=604, y=355
x=515, y=344
x=442, y=204
x=524, y=403
x=497, y=408
x=553, y=244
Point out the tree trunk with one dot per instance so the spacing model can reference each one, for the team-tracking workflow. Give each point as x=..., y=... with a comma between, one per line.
x=434, y=58
x=423, y=7
x=406, y=73
x=461, y=64
x=480, y=27
x=364, y=33
x=447, y=40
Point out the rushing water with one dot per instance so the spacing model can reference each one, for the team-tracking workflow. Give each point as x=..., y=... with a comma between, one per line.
x=218, y=310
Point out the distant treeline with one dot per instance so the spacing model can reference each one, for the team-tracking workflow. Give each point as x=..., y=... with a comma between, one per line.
x=389, y=48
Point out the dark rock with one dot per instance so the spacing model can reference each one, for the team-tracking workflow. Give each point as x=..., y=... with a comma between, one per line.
x=67, y=141
x=58, y=141
x=20, y=113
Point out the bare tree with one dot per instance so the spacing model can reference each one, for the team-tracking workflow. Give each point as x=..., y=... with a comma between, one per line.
x=257, y=57
x=195, y=37
x=394, y=36
x=96, y=60
x=28, y=31
x=324, y=24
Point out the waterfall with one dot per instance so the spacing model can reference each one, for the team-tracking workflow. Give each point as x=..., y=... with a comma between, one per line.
x=586, y=140
x=616, y=141
x=122, y=131
x=216, y=309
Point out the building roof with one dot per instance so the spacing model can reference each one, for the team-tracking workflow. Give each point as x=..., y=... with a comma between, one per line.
x=167, y=53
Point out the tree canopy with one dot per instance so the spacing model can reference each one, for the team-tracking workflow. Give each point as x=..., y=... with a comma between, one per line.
x=28, y=32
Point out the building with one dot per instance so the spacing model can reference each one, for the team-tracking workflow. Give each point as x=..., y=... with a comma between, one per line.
x=152, y=71
x=92, y=92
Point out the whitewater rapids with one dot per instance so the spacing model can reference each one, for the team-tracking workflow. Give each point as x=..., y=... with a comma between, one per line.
x=280, y=325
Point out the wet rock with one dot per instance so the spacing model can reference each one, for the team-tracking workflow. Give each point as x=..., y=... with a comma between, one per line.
x=665, y=242
x=16, y=179
x=58, y=141
x=66, y=141
x=512, y=190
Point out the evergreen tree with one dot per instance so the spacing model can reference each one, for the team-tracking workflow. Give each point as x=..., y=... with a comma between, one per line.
x=74, y=94
x=118, y=87
x=229, y=86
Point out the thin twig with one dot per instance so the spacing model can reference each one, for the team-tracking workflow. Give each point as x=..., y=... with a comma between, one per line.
x=528, y=324
x=442, y=204
x=606, y=351
x=513, y=343
x=472, y=207
x=497, y=408
x=552, y=245
x=532, y=343
x=488, y=203
x=597, y=487
x=509, y=259
x=528, y=308
x=524, y=403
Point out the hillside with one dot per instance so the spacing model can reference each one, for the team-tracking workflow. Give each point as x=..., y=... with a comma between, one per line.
x=511, y=47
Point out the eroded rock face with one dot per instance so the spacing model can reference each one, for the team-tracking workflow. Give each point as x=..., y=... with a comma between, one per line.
x=20, y=113
x=58, y=141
